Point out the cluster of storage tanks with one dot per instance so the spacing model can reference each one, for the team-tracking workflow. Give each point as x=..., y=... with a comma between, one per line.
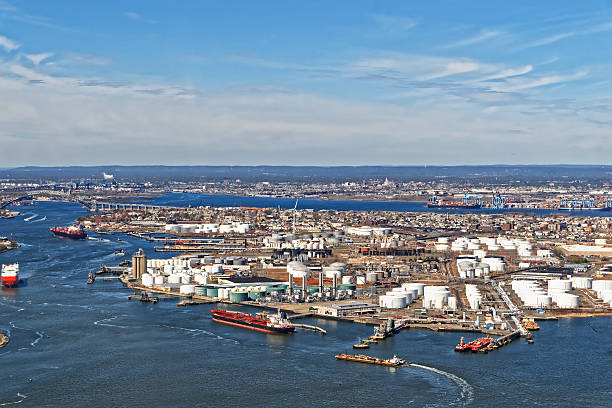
x=471, y=267
x=481, y=245
x=186, y=270
x=366, y=231
x=434, y=297
x=233, y=228
x=401, y=297
x=532, y=295
x=321, y=240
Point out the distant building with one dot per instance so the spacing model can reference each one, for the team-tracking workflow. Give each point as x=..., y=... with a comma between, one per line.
x=347, y=309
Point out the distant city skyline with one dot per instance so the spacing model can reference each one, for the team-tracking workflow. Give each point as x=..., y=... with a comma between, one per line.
x=304, y=83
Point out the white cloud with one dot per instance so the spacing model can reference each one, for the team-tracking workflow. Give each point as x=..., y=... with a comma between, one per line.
x=549, y=40
x=135, y=16
x=394, y=24
x=8, y=44
x=38, y=58
x=516, y=84
x=66, y=120
x=478, y=38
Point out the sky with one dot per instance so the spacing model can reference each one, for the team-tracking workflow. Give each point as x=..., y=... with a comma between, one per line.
x=305, y=82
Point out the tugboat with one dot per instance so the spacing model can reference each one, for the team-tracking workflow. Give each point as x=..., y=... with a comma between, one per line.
x=530, y=325
x=461, y=346
x=361, y=346
x=72, y=232
x=390, y=362
x=119, y=252
x=91, y=278
x=276, y=324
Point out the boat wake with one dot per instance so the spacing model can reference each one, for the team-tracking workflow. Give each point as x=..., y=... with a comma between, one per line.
x=466, y=395
x=30, y=217
x=40, y=335
x=102, y=322
x=197, y=332
x=38, y=220
x=22, y=396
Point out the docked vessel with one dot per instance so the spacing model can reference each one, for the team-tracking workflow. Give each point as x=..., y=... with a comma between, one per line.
x=390, y=362
x=530, y=325
x=277, y=324
x=10, y=276
x=475, y=345
x=469, y=202
x=72, y=232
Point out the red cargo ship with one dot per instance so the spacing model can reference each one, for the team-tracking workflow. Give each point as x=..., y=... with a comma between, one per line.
x=277, y=324
x=72, y=232
x=10, y=275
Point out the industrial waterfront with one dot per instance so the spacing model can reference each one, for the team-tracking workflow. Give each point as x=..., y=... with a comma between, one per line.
x=71, y=340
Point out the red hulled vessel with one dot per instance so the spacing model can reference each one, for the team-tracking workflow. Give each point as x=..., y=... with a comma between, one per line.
x=10, y=275
x=72, y=232
x=278, y=324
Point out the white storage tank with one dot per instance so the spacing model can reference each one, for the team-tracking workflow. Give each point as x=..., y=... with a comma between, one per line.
x=452, y=303
x=371, y=277
x=347, y=280
x=558, y=284
x=159, y=280
x=361, y=280
x=147, y=280
x=567, y=301
x=174, y=278
x=187, y=289
x=582, y=282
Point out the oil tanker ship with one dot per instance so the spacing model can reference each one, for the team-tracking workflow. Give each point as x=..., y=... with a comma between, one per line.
x=72, y=232
x=277, y=324
x=10, y=276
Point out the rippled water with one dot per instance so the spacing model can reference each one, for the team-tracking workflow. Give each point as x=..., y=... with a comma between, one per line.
x=74, y=344
x=219, y=200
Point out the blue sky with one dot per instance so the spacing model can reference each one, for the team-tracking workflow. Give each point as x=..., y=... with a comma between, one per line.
x=305, y=82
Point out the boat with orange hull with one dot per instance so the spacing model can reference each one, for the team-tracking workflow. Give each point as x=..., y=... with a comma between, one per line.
x=360, y=358
x=274, y=324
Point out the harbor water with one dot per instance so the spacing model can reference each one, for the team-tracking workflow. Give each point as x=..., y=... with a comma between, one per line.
x=219, y=200
x=75, y=345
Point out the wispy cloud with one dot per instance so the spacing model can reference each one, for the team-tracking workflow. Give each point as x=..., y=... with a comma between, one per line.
x=36, y=59
x=135, y=16
x=4, y=6
x=550, y=40
x=8, y=44
x=516, y=84
x=478, y=38
x=599, y=28
x=394, y=24
x=88, y=59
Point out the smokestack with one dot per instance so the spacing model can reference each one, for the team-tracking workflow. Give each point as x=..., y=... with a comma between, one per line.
x=304, y=287
x=335, y=287
x=290, y=284
x=320, y=282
